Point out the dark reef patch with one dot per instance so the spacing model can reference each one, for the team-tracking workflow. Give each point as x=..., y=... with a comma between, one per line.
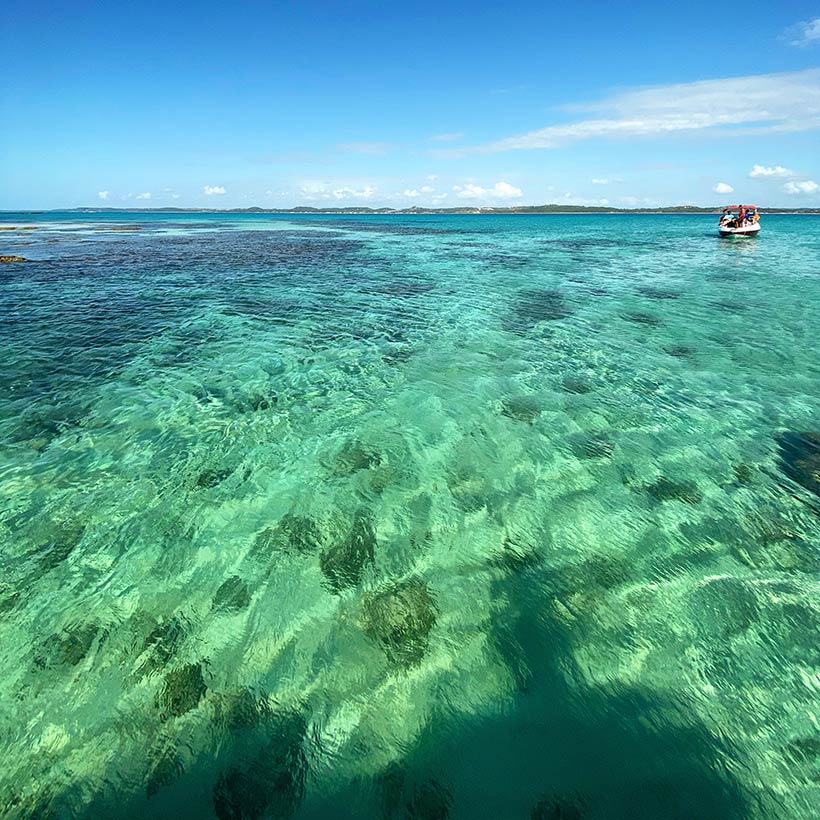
x=270, y=782
x=165, y=767
x=642, y=318
x=355, y=456
x=161, y=645
x=534, y=306
x=521, y=408
x=399, y=618
x=592, y=445
x=294, y=533
x=679, y=351
x=800, y=458
x=66, y=648
x=344, y=562
x=665, y=489
x=182, y=690
x=232, y=596
x=208, y=479
x=571, y=384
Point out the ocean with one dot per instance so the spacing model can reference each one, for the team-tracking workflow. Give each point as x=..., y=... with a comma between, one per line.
x=409, y=516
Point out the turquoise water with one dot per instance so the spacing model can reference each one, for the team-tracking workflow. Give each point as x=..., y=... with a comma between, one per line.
x=409, y=517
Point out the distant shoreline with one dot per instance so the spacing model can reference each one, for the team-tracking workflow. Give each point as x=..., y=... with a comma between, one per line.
x=358, y=211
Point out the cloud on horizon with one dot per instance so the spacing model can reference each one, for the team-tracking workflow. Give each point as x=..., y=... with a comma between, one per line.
x=783, y=102
x=213, y=190
x=102, y=194
x=723, y=188
x=501, y=190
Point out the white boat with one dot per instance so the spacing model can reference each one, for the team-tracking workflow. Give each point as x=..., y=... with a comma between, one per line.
x=739, y=220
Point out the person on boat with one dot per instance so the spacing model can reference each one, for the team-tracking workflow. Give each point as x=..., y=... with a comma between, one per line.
x=741, y=215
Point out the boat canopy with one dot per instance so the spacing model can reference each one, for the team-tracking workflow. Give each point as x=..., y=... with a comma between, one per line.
x=736, y=207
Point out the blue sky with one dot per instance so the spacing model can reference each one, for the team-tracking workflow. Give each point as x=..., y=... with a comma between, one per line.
x=433, y=103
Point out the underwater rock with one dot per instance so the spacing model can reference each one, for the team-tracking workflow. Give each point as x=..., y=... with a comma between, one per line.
x=61, y=541
x=66, y=648
x=354, y=457
x=537, y=305
x=8, y=598
x=521, y=408
x=271, y=785
x=263, y=401
x=592, y=445
x=567, y=807
x=724, y=606
x=242, y=709
x=232, y=595
x=679, y=351
x=642, y=318
x=399, y=618
x=13, y=259
x=803, y=749
x=166, y=767
x=182, y=690
x=293, y=533
x=343, y=562
x=665, y=489
x=162, y=644
x=210, y=478
x=744, y=473
x=800, y=458
x=573, y=385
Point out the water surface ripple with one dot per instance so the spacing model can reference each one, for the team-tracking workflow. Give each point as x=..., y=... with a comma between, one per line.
x=409, y=517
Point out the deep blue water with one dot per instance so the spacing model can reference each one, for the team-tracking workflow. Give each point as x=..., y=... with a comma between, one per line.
x=409, y=517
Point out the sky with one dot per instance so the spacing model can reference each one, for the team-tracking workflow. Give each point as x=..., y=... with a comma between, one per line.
x=445, y=104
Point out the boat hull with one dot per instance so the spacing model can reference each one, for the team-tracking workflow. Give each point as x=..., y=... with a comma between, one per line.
x=746, y=230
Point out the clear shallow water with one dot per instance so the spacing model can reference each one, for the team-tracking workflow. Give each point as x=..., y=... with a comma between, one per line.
x=409, y=517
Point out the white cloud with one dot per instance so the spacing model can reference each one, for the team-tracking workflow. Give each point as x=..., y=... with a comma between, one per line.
x=807, y=186
x=174, y=196
x=770, y=171
x=372, y=148
x=455, y=135
x=723, y=188
x=411, y=193
x=599, y=181
x=501, y=190
x=804, y=34
x=212, y=190
x=146, y=195
x=426, y=189
x=789, y=101
x=102, y=194
x=347, y=193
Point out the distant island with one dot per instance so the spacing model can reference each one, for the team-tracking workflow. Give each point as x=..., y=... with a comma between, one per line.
x=514, y=209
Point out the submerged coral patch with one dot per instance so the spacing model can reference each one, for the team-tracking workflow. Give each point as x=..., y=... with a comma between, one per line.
x=293, y=533
x=521, y=408
x=182, y=690
x=399, y=617
x=800, y=458
x=232, y=596
x=344, y=561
